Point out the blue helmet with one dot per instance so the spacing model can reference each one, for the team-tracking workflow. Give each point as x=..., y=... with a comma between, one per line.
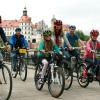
x=72, y=27
x=18, y=29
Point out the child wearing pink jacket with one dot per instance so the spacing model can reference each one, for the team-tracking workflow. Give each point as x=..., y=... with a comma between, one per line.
x=91, y=46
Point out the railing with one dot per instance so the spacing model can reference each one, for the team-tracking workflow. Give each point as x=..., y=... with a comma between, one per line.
x=7, y=57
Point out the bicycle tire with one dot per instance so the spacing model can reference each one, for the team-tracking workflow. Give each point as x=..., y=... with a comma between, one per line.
x=62, y=82
x=23, y=70
x=68, y=77
x=37, y=77
x=6, y=70
x=83, y=82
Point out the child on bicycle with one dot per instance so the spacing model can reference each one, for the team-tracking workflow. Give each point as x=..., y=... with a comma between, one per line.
x=46, y=45
x=90, y=53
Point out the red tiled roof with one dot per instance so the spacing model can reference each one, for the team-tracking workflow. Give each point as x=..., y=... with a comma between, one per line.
x=25, y=19
x=10, y=23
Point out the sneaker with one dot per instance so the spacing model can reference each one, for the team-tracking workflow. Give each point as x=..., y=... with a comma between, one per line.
x=41, y=80
x=84, y=72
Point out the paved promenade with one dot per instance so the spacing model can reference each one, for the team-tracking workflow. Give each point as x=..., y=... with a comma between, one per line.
x=27, y=91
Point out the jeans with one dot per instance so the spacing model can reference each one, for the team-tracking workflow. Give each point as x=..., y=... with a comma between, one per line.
x=14, y=60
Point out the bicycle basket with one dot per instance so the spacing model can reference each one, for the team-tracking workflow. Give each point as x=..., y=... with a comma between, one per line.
x=22, y=51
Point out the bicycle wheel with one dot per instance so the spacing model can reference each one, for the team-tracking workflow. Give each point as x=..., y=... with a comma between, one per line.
x=6, y=83
x=83, y=81
x=37, y=77
x=23, y=70
x=68, y=76
x=56, y=82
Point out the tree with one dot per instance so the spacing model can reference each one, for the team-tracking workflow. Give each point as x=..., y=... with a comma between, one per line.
x=82, y=35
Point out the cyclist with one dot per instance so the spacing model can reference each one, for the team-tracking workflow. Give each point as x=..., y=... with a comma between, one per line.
x=73, y=39
x=92, y=45
x=17, y=41
x=3, y=37
x=46, y=44
x=59, y=35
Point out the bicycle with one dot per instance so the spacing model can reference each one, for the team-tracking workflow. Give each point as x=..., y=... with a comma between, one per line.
x=91, y=73
x=21, y=64
x=5, y=81
x=73, y=66
x=68, y=72
x=54, y=77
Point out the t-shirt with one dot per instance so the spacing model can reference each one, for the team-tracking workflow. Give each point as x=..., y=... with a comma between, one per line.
x=72, y=39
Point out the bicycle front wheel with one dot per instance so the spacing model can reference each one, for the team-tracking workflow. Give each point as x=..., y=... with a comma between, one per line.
x=23, y=70
x=83, y=81
x=68, y=77
x=37, y=77
x=56, y=82
x=5, y=83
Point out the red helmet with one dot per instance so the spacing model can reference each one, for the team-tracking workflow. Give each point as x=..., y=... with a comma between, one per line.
x=58, y=23
x=94, y=33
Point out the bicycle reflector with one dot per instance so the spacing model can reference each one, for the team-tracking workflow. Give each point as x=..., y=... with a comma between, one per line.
x=22, y=51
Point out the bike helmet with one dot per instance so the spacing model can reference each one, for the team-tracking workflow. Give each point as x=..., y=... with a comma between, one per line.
x=18, y=29
x=58, y=23
x=72, y=27
x=47, y=32
x=94, y=33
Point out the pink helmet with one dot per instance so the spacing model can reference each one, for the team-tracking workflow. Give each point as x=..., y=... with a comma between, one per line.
x=94, y=33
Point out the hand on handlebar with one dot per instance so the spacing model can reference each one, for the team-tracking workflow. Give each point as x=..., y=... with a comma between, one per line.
x=93, y=51
x=78, y=48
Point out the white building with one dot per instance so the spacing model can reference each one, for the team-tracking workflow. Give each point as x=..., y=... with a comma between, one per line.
x=25, y=23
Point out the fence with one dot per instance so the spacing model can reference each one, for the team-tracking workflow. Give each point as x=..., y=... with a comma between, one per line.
x=7, y=57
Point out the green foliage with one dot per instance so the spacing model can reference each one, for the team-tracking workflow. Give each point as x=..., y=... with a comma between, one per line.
x=82, y=35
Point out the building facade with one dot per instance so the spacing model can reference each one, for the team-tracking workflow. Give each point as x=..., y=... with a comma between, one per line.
x=29, y=30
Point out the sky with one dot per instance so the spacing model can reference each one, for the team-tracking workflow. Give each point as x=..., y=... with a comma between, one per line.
x=85, y=14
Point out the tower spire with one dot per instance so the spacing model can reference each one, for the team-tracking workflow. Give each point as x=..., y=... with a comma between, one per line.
x=25, y=11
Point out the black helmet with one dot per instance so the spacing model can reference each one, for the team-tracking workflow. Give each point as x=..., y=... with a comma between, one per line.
x=47, y=32
x=72, y=27
x=18, y=29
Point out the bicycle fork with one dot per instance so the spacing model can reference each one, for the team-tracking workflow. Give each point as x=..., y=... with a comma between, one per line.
x=54, y=74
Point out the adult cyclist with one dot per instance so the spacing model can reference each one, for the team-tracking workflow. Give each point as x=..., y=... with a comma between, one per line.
x=16, y=41
x=73, y=39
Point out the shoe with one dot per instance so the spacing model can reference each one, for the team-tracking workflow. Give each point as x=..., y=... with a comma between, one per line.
x=41, y=80
x=84, y=73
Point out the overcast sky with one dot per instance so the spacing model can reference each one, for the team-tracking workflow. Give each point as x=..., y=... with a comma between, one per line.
x=85, y=14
